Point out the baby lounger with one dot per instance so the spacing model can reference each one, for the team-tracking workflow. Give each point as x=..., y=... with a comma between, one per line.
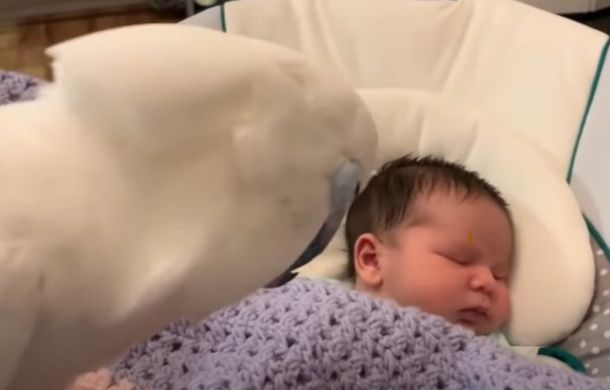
x=510, y=91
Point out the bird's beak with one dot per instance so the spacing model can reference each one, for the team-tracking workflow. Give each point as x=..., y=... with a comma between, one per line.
x=344, y=184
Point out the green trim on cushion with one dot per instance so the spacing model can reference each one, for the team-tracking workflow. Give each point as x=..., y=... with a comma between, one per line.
x=563, y=356
x=598, y=72
x=223, y=21
x=598, y=239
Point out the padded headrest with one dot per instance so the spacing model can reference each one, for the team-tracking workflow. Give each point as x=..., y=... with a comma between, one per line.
x=529, y=67
x=554, y=271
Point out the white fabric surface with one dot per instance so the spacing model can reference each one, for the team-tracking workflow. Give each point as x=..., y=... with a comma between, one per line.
x=211, y=18
x=528, y=67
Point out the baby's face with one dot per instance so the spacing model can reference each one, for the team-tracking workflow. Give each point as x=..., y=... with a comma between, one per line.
x=453, y=259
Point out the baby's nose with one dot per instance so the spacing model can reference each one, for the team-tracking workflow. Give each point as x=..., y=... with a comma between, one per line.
x=482, y=279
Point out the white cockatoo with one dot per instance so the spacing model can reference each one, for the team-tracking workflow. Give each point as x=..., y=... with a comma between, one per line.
x=167, y=171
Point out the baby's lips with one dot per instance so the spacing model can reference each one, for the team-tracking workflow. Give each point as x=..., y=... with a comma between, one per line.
x=473, y=315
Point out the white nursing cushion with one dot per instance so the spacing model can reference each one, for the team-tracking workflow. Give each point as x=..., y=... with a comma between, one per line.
x=554, y=272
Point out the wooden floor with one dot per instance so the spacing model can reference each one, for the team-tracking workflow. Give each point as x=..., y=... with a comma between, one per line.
x=22, y=44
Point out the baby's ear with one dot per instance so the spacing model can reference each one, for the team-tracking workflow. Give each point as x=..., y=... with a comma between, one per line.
x=366, y=261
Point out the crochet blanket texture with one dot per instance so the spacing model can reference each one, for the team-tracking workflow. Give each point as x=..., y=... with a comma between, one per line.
x=317, y=335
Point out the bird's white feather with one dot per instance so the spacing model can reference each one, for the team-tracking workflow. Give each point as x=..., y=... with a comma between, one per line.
x=167, y=171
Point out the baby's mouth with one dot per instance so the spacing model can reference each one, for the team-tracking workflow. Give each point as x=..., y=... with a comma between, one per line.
x=472, y=316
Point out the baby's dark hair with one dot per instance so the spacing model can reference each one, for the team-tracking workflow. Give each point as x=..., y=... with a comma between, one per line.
x=386, y=200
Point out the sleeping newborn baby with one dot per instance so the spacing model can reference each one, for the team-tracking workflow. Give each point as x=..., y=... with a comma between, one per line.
x=430, y=234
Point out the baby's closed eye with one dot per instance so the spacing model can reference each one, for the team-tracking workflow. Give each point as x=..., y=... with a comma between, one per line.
x=501, y=274
x=458, y=258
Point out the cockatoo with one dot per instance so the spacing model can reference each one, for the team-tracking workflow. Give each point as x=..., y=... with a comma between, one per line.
x=167, y=171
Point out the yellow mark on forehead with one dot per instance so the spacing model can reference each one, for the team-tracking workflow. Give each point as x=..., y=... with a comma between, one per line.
x=470, y=237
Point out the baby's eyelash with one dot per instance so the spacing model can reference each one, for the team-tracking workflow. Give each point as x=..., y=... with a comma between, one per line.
x=454, y=259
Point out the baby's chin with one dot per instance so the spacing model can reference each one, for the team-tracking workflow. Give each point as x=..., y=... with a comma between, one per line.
x=477, y=328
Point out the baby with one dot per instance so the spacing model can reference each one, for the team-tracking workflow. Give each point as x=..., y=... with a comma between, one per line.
x=431, y=234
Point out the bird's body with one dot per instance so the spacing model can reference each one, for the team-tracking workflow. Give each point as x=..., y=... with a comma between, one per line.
x=153, y=180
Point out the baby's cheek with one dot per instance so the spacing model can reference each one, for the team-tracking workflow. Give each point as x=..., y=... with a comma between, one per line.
x=503, y=305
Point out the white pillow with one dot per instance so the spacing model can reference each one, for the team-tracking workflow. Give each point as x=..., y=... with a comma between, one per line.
x=554, y=270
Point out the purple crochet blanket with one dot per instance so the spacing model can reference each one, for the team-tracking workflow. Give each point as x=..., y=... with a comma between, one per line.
x=16, y=87
x=316, y=335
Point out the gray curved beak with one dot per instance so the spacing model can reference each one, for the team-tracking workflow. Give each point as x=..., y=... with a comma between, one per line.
x=344, y=184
